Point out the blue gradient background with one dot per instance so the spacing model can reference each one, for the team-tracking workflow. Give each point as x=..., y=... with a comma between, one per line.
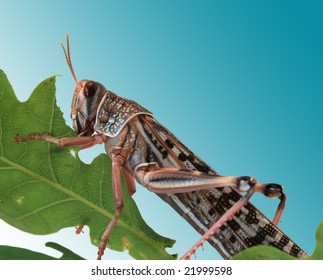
x=239, y=82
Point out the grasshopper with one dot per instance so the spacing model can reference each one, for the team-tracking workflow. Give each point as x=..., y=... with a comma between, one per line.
x=145, y=151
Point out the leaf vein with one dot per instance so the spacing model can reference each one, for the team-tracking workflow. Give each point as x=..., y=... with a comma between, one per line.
x=51, y=131
x=7, y=168
x=22, y=184
x=44, y=208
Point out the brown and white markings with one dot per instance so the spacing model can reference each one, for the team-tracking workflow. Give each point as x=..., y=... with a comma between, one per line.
x=145, y=151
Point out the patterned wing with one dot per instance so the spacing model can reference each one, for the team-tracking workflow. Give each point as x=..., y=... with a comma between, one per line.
x=248, y=227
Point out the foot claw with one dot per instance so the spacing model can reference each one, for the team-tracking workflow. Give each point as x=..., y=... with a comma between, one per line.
x=19, y=139
x=100, y=253
x=79, y=229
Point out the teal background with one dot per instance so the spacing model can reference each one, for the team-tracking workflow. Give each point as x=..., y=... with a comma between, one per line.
x=239, y=82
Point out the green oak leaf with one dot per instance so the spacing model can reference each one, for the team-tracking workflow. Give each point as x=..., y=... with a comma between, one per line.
x=262, y=252
x=318, y=251
x=44, y=188
x=16, y=253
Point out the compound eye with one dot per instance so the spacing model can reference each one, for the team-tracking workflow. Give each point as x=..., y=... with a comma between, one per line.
x=90, y=88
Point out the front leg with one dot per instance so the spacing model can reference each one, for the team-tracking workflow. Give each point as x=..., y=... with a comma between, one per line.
x=117, y=163
x=83, y=141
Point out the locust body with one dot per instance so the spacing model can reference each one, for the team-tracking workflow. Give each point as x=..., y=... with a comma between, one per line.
x=145, y=151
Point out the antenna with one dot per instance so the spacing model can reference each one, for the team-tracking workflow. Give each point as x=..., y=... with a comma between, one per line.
x=68, y=56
